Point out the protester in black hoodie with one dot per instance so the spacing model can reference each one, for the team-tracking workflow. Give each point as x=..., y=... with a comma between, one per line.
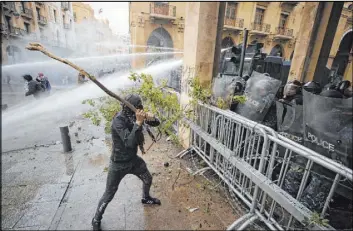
x=127, y=136
x=34, y=87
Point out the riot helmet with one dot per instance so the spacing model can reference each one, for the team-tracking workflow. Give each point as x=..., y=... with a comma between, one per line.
x=348, y=92
x=313, y=87
x=246, y=77
x=332, y=93
x=238, y=88
x=343, y=85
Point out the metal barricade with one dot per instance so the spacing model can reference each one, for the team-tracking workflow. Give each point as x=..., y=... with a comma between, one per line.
x=247, y=157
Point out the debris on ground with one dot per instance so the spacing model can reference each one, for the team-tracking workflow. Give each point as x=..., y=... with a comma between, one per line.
x=191, y=210
x=78, y=141
x=58, y=142
x=166, y=164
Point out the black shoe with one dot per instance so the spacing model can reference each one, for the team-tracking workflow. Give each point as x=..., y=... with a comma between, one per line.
x=96, y=225
x=150, y=201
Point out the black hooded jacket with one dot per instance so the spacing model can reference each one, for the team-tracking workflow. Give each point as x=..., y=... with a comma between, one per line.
x=127, y=136
x=34, y=88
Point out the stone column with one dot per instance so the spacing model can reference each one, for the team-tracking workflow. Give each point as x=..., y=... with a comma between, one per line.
x=137, y=38
x=201, y=20
x=315, y=38
x=349, y=68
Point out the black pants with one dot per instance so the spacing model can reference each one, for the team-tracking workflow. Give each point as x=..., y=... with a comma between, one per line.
x=116, y=173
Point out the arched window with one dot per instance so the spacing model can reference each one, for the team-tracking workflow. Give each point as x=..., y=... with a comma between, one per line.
x=342, y=57
x=159, y=38
x=277, y=51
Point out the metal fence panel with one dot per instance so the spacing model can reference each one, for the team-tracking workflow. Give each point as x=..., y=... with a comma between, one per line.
x=270, y=173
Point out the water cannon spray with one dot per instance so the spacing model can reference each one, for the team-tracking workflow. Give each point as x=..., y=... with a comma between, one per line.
x=39, y=47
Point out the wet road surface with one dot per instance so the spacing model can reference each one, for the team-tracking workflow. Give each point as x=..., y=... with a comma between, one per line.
x=44, y=188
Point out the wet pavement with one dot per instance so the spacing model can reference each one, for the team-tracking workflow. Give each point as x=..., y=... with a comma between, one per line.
x=44, y=188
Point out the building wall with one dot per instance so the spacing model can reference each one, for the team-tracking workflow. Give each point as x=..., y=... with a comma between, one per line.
x=66, y=34
x=95, y=36
x=38, y=32
x=344, y=26
x=141, y=26
x=82, y=11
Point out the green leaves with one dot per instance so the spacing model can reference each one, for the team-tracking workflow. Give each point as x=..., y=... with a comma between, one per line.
x=198, y=92
x=317, y=219
x=157, y=100
x=163, y=104
x=104, y=108
x=239, y=98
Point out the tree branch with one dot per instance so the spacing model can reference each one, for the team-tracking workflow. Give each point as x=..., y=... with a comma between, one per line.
x=39, y=47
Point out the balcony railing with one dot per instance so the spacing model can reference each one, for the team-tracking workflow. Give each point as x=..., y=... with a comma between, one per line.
x=42, y=20
x=65, y=6
x=17, y=32
x=67, y=26
x=162, y=10
x=290, y=3
x=9, y=6
x=234, y=22
x=284, y=31
x=27, y=13
x=261, y=27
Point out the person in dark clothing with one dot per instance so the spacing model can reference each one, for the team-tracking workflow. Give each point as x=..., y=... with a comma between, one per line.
x=127, y=136
x=44, y=81
x=34, y=87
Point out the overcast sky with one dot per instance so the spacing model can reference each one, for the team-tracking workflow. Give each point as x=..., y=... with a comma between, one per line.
x=116, y=12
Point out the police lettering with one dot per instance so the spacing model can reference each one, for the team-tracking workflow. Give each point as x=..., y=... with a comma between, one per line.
x=315, y=140
x=253, y=102
x=297, y=139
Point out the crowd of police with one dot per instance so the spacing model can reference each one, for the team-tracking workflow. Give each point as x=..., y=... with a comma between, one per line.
x=318, y=117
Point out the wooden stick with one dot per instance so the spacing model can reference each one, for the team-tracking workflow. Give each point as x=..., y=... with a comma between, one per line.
x=39, y=47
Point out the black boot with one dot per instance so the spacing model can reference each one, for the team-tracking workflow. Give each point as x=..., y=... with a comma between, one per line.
x=96, y=225
x=150, y=201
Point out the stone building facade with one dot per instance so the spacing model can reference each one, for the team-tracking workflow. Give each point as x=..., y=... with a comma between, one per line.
x=50, y=23
x=276, y=24
x=94, y=35
x=82, y=11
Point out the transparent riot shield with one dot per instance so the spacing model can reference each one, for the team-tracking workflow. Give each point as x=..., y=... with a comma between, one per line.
x=328, y=131
x=290, y=125
x=290, y=121
x=223, y=87
x=260, y=91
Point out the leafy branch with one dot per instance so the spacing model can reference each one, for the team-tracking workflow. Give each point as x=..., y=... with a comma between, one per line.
x=157, y=100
